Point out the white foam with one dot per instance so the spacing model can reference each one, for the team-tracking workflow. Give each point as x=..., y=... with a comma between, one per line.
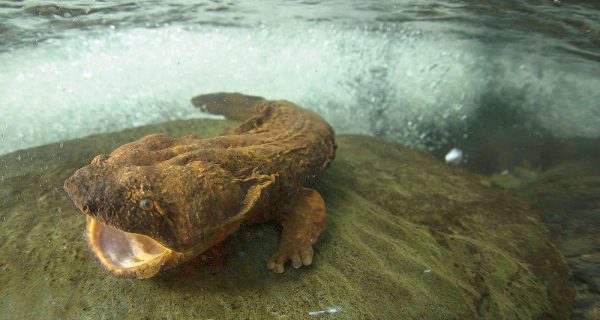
x=393, y=83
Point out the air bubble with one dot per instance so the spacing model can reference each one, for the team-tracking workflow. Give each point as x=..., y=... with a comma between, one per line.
x=454, y=156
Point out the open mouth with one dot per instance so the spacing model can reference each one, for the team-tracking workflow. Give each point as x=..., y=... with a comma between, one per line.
x=127, y=254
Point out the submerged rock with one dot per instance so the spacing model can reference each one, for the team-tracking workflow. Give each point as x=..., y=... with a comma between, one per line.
x=567, y=198
x=407, y=237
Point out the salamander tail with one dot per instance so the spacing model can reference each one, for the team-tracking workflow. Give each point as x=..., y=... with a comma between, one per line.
x=234, y=106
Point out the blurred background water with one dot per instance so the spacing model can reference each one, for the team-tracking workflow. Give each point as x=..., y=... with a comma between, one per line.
x=415, y=72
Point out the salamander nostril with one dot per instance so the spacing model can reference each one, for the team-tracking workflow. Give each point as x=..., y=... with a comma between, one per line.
x=89, y=207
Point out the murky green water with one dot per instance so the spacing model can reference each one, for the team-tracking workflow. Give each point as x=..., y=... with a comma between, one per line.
x=512, y=84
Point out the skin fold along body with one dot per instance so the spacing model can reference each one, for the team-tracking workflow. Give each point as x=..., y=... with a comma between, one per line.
x=156, y=202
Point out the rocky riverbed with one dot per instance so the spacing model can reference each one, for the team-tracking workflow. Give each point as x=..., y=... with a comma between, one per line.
x=407, y=237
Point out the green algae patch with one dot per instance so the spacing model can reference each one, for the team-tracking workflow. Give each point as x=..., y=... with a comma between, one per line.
x=407, y=237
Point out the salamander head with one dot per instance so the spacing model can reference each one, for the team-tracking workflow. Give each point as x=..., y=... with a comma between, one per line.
x=142, y=219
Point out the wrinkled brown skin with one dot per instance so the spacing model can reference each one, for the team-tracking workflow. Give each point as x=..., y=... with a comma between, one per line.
x=203, y=189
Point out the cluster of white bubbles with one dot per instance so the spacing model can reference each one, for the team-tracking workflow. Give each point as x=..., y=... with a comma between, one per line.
x=397, y=83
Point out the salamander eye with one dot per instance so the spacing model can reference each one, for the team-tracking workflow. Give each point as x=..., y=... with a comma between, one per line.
x=146, y=204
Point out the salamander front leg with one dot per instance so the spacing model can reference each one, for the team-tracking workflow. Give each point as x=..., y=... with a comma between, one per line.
x=302, y=223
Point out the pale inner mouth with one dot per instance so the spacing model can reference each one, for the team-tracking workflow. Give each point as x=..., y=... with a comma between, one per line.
x=120, y=249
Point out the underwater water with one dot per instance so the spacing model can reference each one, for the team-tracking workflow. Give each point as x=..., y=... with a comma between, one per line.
x=513, y=86
x=412, y=72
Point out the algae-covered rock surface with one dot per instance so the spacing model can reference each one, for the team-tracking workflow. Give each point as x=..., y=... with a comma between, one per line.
x=567, y=198
x=564, y=190
x=407, y=237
